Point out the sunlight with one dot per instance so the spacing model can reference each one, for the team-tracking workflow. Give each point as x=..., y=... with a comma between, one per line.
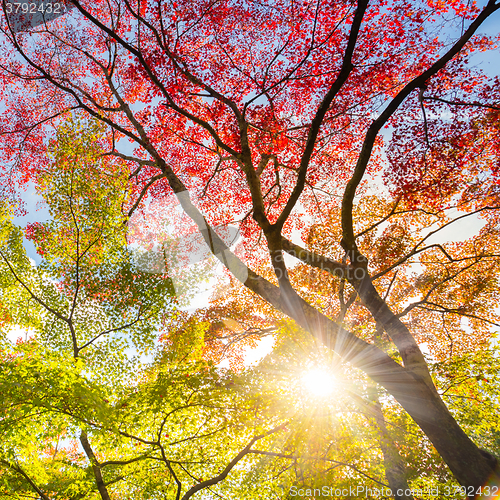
x=319, y=382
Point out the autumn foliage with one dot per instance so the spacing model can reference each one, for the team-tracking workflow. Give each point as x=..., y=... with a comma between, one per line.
x=341, y=140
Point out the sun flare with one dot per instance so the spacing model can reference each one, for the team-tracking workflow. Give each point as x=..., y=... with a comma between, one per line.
x=319, y=382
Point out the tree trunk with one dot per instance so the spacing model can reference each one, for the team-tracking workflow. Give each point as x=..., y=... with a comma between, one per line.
x=469, y=464
x=395, y=470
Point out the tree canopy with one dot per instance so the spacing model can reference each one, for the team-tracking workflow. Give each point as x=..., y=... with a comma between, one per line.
x=322, y=151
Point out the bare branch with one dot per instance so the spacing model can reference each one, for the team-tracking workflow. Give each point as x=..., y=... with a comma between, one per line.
x=462, y=103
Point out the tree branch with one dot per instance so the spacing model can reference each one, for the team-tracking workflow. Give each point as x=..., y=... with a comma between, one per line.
x=234, y=461
x=96, y=467
x=20, y=471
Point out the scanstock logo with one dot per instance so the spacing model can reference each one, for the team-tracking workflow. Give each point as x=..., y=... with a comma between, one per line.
x=26, y=14
x=156, y=249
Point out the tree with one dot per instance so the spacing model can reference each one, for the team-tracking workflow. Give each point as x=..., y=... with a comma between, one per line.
x=266, y=115
x=96, y=403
